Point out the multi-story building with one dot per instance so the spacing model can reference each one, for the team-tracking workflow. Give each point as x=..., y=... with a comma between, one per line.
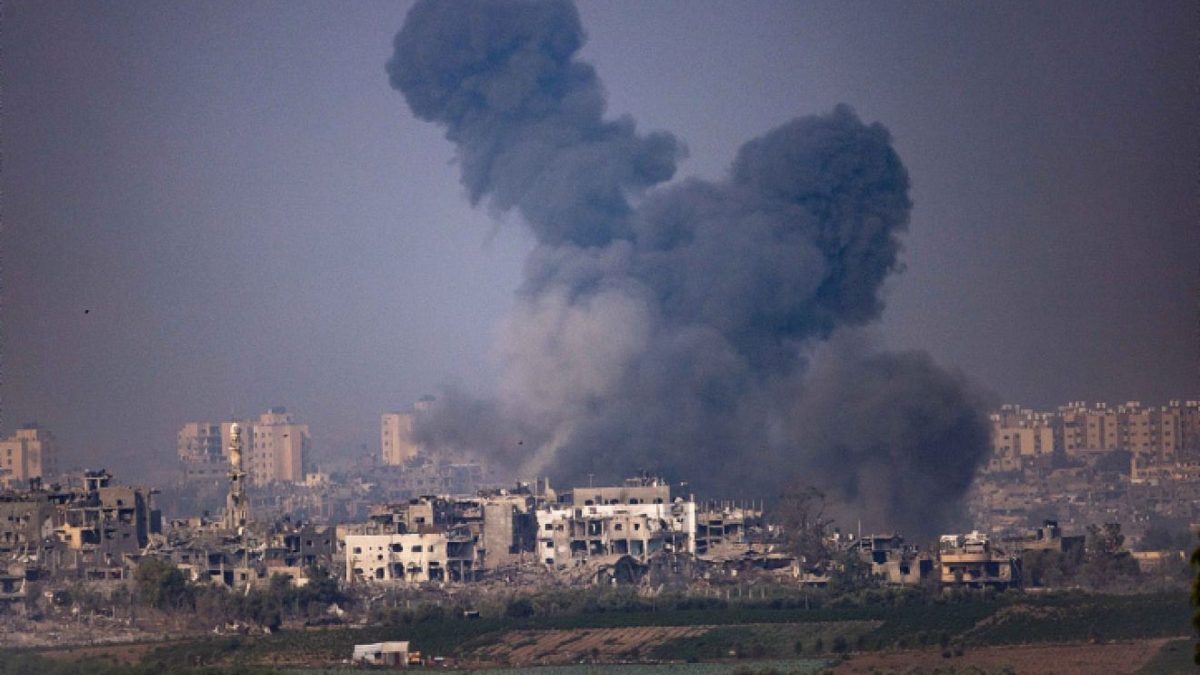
x=413, y=558
x=1189, y=427
x=1019, y=434
x=455, y=538
x=892, y=560
x=200, y=442
x=396, y=444
x=637, y=519
x=30, y=453
x=1159, y=434
x=1087, y=428
x=90, y=532
x=201, y=452
x=278, y=448
x=971, y=560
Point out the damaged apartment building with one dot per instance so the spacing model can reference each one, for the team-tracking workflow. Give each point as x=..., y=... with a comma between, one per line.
x=90, y=531
x=637, y=519
x=892, y=560
x=972, y=560
x=452, y=539
x=460, y=538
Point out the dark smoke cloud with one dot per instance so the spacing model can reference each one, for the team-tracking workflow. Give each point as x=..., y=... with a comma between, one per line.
x=909, y=465
x=667, y=329
x=527, y=118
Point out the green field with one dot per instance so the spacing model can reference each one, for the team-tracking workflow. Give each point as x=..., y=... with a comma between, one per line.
x=764, y=630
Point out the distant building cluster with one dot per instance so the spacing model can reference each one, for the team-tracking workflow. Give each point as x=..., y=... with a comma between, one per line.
x=277, y=449
x=85, y=531
x=404, y=518
x=1091, y=463
x=1156, y=434
x=634, y=533
x=439, y=539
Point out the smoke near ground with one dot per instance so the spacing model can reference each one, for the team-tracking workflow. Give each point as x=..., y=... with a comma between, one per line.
x=669, y=328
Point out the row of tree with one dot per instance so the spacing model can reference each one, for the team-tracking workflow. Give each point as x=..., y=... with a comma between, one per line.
x=163, y=586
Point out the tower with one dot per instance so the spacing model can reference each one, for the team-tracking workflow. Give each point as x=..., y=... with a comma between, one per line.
x=236, y=512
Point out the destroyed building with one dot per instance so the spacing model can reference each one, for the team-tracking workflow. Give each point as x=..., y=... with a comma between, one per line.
x=724, y=527
x=971, y=560
x=892, y=560
x=90, y=531
x=413, y=557
x=637, y=519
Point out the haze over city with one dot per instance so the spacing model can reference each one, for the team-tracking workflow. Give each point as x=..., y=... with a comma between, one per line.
x=624, y=337
x=214, y=208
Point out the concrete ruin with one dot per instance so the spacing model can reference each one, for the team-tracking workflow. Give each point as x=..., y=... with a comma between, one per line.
x=970, y=560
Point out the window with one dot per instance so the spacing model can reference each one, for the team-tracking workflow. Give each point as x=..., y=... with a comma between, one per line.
x=417, y=549
x=397, y=548
x=358, y=549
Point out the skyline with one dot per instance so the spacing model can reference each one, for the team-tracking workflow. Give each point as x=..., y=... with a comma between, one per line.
x=189, y=126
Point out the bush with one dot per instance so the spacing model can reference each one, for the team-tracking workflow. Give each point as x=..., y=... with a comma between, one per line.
x=161, y=585
x=840, y=644
x=519, y=608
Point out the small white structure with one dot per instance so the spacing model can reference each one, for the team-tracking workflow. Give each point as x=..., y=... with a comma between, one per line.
x=382, y=654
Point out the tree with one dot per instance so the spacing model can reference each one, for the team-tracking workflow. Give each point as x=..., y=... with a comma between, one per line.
x=1048, y=568
x=262, y=608
x=1106, y=563
x=850, y=574
x=801, y=514
x=161, y=585
x=321, y=590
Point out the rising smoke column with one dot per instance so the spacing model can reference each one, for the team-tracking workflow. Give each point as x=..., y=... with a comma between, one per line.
x=667, y=328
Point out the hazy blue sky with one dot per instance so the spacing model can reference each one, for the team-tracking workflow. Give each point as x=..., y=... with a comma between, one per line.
x=222, y=206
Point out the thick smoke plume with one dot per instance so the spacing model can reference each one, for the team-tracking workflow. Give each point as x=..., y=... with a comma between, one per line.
x=670, y=328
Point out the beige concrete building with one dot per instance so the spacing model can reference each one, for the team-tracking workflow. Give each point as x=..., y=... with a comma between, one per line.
x=637, y=519
x=199, y=442
x=971, y=560
x=1019, y=434
x=1157, y=432
x=396, y=442
x=409, y=558
x=29, y=453
x=277, y=449
x=1189, y=427
x=1163, y=434
x=1089, y=429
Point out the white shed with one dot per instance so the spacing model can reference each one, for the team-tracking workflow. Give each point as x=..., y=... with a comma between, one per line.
x=382, y=654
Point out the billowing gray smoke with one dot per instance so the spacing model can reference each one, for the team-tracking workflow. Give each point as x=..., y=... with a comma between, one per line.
x=670, y=329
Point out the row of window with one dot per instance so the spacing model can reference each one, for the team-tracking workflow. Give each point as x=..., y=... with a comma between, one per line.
x=398, y=548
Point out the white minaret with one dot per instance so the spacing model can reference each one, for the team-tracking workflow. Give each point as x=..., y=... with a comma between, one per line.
x=236, y=511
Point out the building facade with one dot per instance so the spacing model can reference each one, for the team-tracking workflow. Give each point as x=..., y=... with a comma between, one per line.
x=29, y=454
x=396, y=444
x=278, y=449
